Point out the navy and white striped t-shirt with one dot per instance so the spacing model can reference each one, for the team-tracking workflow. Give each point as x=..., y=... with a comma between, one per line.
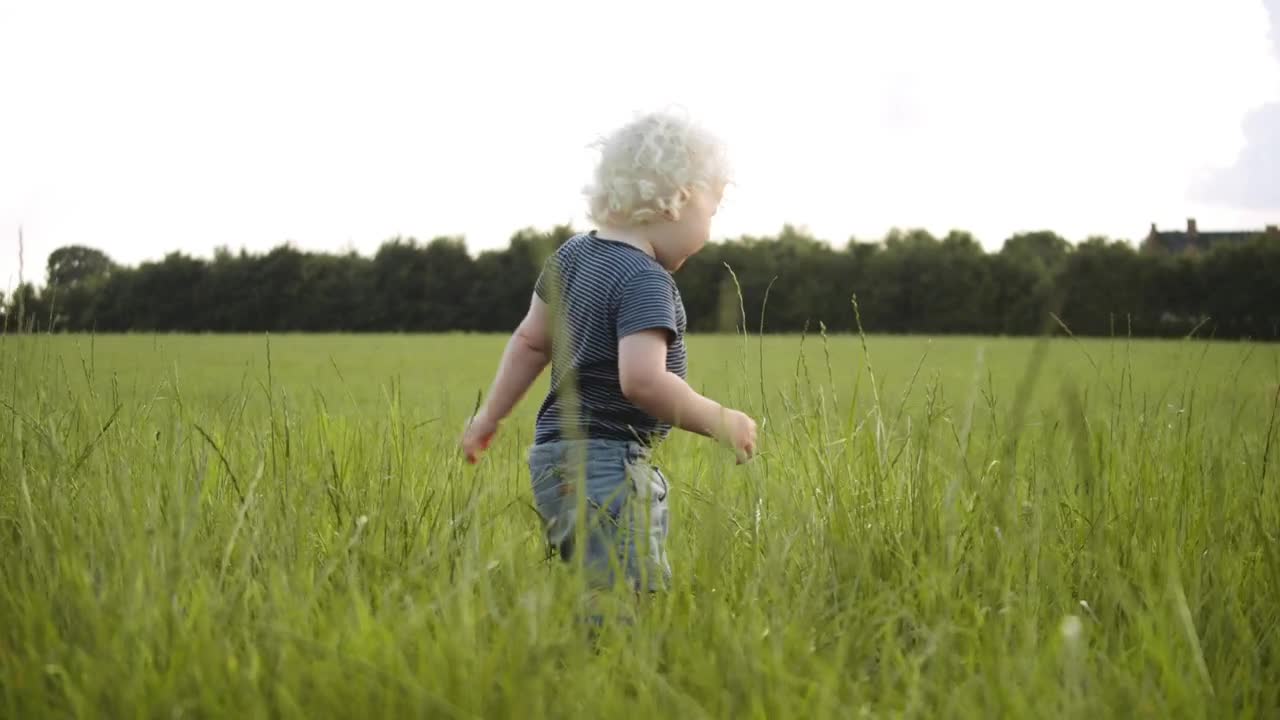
x=606, y=291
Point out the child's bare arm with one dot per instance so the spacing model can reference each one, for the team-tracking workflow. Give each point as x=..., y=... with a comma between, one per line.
x=645, y=380
x=527, y=354
x=642, y=372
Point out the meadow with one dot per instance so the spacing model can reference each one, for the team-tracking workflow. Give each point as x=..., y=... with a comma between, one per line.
x=282, y=526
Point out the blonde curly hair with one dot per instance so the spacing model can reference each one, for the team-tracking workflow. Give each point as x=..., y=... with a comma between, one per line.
x=647, y=166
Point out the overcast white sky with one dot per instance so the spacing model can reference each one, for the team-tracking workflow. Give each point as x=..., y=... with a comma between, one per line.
x=144, y=127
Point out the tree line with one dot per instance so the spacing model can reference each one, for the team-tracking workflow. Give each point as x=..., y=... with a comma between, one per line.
x=908, y=282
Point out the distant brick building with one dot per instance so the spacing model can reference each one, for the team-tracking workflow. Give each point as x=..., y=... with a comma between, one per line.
x=1194, y=241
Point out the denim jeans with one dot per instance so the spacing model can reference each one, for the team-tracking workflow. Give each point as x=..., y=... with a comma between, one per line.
x=624, y=496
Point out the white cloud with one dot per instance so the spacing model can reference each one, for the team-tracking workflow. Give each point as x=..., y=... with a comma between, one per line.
x=143, y=127
x=1252, y=181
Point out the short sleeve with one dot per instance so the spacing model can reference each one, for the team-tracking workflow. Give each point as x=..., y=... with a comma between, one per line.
x=647, y=302
x=542, y=288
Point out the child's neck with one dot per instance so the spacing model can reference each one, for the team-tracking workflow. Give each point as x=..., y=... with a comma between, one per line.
x=634, y=237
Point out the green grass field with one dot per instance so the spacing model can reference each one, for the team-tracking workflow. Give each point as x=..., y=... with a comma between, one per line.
x=202, y=526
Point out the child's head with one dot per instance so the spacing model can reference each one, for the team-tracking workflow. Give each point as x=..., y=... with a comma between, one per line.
x=660, y=176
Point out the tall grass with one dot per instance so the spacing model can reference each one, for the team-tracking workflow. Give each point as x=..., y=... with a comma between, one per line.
x=208, y=527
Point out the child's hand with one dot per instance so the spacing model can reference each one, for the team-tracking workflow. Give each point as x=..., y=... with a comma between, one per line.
x=478, y=435
x=738, y=431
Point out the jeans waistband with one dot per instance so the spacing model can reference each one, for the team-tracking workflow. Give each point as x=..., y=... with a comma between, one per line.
x=589, y=447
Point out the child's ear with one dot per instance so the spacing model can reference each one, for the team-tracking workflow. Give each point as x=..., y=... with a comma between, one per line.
x=672, y=211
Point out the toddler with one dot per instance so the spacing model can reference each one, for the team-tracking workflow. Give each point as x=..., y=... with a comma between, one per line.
x=608, y=318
